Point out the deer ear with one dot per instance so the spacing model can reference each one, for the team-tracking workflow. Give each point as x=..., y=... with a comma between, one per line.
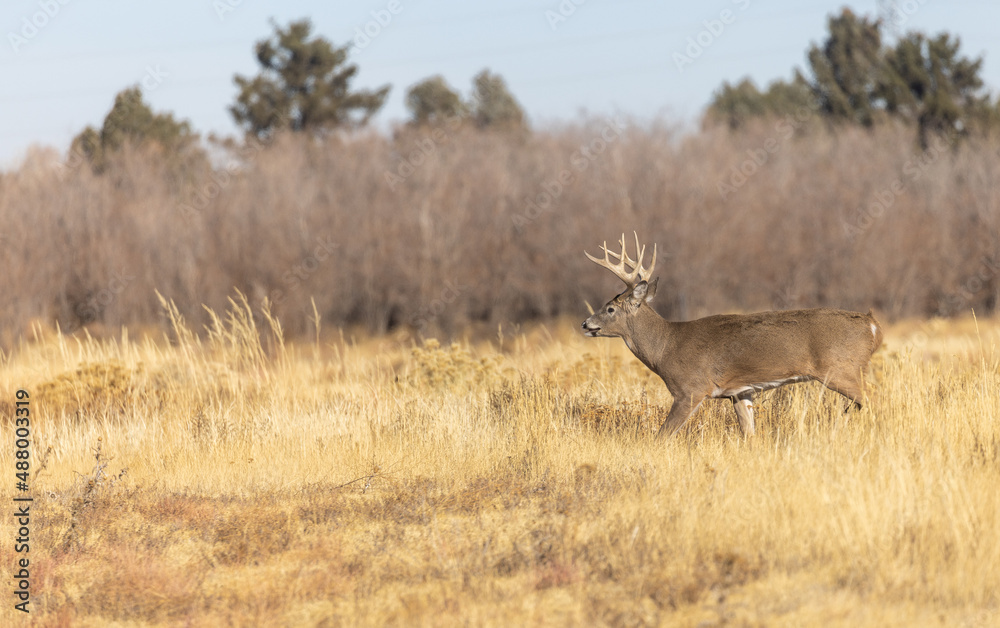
x=639, y=293
x=651, y=290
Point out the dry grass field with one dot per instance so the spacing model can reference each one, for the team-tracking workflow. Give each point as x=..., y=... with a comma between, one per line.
x=230, y=478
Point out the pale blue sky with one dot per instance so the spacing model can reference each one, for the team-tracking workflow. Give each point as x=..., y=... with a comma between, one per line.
x=605, y=57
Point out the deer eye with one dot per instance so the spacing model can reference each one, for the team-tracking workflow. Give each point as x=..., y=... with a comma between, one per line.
x=611, y=309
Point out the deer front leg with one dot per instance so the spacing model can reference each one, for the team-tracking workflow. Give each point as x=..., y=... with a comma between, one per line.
x=684, y=406
x=743, y=404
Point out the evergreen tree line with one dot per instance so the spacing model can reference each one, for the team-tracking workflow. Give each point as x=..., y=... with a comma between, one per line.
x=305, y=85
x=856, y=78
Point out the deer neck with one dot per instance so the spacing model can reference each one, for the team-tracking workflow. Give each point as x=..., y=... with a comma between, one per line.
x=648, y=337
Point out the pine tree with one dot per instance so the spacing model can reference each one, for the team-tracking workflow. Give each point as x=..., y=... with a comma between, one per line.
x=132, y=121
x=923, y=81
x=736, y=104
x=432, y=101
x=928, y=83
x=303, y=85
x=846, y=70
x=494, y=106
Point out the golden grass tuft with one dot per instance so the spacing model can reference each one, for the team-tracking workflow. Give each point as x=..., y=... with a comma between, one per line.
x=89, y=387
x=435, y=367
x=237, y=479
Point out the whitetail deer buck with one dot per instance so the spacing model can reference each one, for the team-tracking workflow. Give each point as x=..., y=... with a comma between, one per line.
x=733, y=355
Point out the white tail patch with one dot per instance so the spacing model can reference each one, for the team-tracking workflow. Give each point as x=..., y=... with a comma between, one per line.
x=874, y=331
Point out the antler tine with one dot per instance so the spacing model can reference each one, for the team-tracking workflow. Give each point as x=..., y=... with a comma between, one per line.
x=644, y=274
x=637, y=274
x=606, y=263
x=618, y=269
x=640, y=252
x=624, y=254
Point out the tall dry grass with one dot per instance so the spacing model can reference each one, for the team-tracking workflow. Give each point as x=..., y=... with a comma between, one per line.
x=483, y=227
x=220, y=479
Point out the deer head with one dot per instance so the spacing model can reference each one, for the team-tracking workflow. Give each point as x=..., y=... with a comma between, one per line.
x=613, y=318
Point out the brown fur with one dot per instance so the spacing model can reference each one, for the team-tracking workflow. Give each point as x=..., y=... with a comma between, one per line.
x=734, y=355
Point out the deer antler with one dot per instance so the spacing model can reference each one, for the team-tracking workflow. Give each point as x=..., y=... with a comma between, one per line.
x=637, y=274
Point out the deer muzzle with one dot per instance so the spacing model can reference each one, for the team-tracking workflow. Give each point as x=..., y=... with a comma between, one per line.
x=590, y=328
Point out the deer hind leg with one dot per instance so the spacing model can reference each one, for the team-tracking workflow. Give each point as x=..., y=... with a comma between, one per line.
x=684, y=406
x=850, y=386
x=743, y=404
